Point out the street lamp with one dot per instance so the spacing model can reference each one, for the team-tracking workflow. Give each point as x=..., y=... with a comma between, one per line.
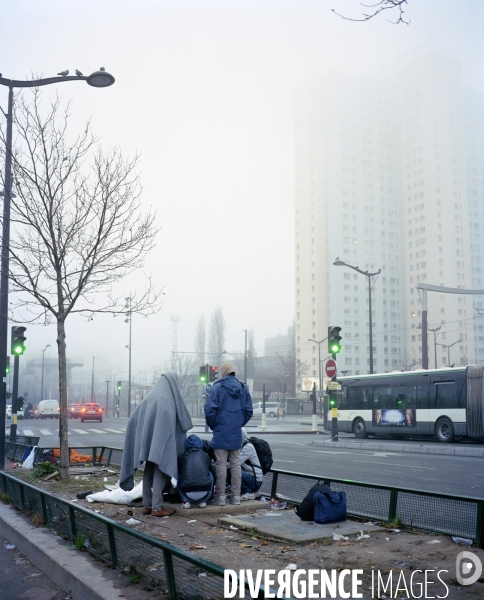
x=42, y=380
x=449, y=346
x=320, y=376
x=97, y=79
x=340, y=263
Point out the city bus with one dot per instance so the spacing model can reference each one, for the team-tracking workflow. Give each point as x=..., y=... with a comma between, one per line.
x=445, y=403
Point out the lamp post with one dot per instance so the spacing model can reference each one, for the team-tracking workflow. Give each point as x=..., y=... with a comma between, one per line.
x=97, y=79
x=449, y=346
x=435, y=331
x=42, y=379
x=340, y=263
x=129, y=318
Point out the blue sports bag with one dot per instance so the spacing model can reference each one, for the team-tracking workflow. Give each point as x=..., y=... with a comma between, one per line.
x=329, y=507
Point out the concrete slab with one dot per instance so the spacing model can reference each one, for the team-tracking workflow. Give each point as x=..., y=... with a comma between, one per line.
x=286, y=525
x=213, y=509
x=416, y=449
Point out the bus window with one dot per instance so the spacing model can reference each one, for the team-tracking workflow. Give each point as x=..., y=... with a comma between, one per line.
x=447, y=394
x=358, y=398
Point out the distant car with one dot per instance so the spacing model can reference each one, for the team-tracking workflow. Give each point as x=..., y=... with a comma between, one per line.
x=91, y=412
x=20, y=412
x=74, y=411
x=271, y=408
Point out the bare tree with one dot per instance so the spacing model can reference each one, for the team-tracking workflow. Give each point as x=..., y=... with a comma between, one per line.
x=292, y=368
x=201, y=341
x=216, y=335
x=77, y=229
x=251, y=362
x=378, y=7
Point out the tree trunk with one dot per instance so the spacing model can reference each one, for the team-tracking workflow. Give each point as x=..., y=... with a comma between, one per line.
x=63, y=428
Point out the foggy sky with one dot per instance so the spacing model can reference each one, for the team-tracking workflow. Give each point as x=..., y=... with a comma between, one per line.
x=204, y=93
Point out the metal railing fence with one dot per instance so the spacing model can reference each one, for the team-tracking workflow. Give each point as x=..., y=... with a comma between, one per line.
x=157, y=564
x=449, y=514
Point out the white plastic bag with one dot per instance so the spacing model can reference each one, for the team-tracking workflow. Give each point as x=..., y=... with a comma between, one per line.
x=117, y=496
x=29, y=461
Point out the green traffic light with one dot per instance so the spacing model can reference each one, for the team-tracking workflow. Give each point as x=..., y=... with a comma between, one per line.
x=203, y=379
x=335, y=348
x=19, y=349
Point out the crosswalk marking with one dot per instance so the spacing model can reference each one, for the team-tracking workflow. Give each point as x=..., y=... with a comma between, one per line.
x=27, y=432
x=80, y=431
x=45, y=432
x=116, y=430
x=96, y=430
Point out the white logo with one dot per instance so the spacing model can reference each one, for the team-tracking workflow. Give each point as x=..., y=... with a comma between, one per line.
x=464, y=564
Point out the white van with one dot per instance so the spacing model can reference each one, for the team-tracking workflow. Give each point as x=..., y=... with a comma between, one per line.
x=48, y=408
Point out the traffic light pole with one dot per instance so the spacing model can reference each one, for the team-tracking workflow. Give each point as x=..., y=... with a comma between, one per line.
x=315, y=412
x=13, y=425
x=334, y=410
x=263, y=424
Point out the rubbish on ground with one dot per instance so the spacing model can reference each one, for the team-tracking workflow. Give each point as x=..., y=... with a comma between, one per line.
x=290, y=567
x=272, y=514
x=10, y=547
x=202, y=575
x=181, y=535
x=264, y=543
x=82, y=495
x=233, y=528
x=337, y=537
x=198, y=547
x=344, y=544
x=395, y=530
x=117, y=495
x=276, y=505
x=462, y=541
x=362, y=535
x=263, y=499
x=435, y=542
x=192, y=521
x=132, y=522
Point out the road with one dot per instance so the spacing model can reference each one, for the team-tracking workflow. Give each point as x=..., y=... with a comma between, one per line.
x=300, y=452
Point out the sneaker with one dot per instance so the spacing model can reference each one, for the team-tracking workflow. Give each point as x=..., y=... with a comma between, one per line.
x=220, y=501
x=248, y=496
x=235, y=499
x=202, y=504
x=185, y=505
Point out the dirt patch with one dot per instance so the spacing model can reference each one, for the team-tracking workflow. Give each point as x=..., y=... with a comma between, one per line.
x=389, y=549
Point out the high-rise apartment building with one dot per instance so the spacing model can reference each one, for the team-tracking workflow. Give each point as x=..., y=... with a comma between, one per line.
x=390, y=176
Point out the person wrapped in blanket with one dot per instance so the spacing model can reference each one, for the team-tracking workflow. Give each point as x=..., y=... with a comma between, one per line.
x=195, y=480
x=252, y=475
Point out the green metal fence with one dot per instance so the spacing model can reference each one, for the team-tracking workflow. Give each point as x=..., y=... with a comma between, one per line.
x=98, y=455
x=429, y=511
x=158, y=564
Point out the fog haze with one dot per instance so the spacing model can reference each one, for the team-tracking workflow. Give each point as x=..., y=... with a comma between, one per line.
x=205, y=93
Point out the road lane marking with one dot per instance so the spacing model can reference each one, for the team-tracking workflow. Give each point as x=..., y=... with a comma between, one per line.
x=45, y=432
x=392, y=464
x=80, y=431
x=116, y=430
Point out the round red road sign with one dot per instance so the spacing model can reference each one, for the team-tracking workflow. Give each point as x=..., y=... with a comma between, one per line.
x=331, y=367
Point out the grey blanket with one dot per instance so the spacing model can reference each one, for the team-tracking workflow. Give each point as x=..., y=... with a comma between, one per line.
x=156, y=431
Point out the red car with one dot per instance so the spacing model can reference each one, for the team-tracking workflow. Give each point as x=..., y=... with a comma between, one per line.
x=91, y=412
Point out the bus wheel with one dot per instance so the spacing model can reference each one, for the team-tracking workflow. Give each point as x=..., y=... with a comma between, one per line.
x=359, y=429
x=444, y=430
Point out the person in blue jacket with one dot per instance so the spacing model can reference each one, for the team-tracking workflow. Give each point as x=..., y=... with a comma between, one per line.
x=227, y=409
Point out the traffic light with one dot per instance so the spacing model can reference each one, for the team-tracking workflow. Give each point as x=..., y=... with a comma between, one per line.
x=18, y=340
x=213, y=374
x=20, y=403
x=119, y=386
x=333, y=403
x=202, y=378
x=334, y=340
x=7, y=368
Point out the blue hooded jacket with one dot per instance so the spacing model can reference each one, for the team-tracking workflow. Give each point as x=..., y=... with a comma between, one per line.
x=227, y=409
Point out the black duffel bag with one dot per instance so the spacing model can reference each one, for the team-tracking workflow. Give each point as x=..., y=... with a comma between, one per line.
x=305, y=510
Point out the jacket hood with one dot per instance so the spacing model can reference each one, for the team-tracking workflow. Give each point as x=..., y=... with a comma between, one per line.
x=193, y=441
x=232, y=385
x=244, y=436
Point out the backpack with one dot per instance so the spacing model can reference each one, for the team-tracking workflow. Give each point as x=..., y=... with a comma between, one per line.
x=264, y=453
x=305, y=510
x=329, y=507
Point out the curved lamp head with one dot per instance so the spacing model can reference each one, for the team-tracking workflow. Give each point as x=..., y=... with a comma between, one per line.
x=339, y=263
x=100, y=78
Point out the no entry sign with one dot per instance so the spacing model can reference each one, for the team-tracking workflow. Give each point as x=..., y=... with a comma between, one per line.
x=331, y=367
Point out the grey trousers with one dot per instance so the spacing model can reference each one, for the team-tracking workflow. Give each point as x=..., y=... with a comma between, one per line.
x=233, y=456
x=153, y=484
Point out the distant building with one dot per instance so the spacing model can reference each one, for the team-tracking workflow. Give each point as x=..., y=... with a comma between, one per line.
x=280, y=344
x=390, y=176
